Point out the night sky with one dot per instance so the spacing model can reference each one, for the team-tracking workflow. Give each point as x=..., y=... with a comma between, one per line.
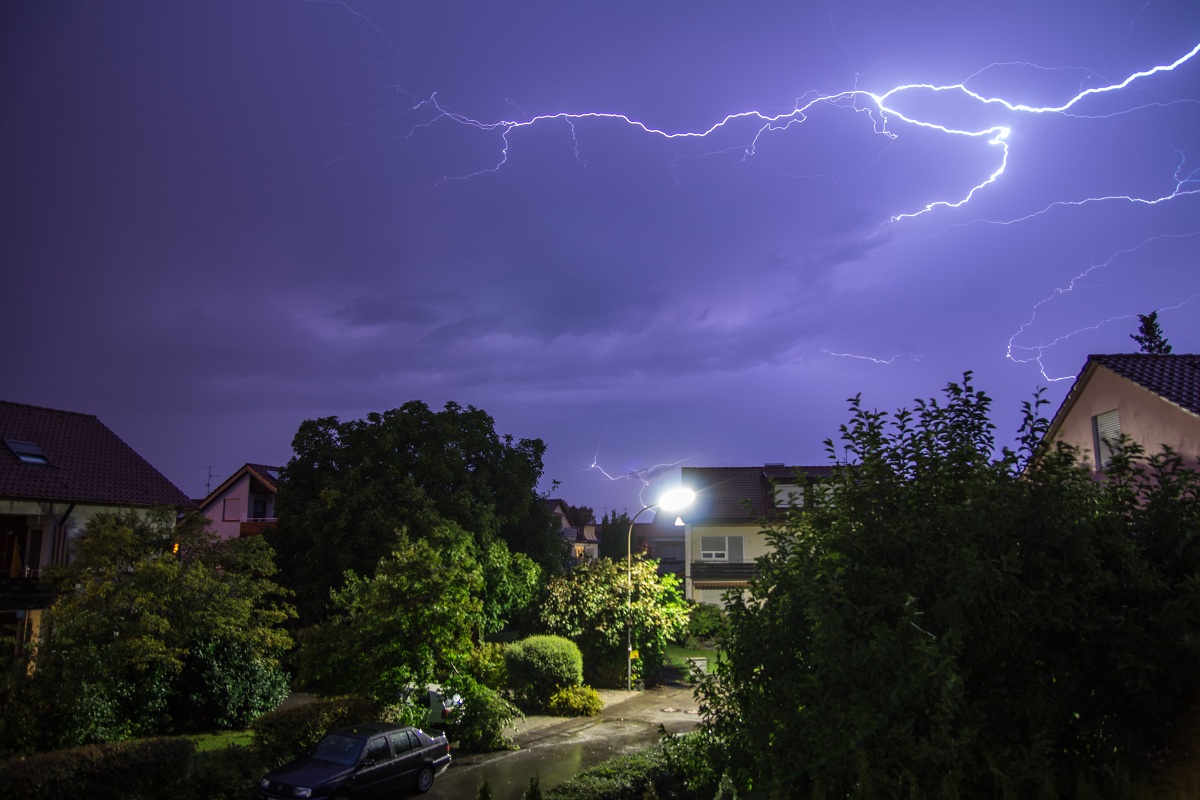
x=221, y=218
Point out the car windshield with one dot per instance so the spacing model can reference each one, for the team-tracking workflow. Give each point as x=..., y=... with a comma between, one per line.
x=338, y=749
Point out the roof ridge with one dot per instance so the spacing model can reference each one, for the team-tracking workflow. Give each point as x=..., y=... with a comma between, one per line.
x=48, y=408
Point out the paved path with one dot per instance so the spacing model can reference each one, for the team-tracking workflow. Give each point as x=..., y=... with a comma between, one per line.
x=556, y=749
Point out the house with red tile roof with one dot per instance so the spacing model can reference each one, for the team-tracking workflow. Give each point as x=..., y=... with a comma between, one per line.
x=1153, y=399
x=580, y=542
x=715, y=549
x=244, y=503
x=58, y=469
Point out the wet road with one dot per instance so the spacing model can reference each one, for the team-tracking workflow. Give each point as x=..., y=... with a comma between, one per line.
x=564, y=748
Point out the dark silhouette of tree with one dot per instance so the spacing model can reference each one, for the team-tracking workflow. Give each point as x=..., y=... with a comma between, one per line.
x=1150, y=336
x=582, y=515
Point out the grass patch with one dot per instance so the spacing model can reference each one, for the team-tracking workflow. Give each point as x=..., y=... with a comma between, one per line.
x=676, y=653
x=219, y=740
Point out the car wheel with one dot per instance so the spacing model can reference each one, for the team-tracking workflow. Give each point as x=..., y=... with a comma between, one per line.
x=425, y=779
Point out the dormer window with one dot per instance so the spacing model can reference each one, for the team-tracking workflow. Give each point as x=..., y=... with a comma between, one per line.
x=788, y=494
x=27, y=452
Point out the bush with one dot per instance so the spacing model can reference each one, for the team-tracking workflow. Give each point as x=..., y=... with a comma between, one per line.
x=146, y=768
x=288, y=733
x=541, y=665
x=480, y=722
x=706, y=622
x=678, y=768
x=231, y=773
x=226, y=684
x=575, y=701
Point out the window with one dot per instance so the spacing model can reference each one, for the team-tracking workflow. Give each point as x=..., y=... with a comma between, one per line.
x=377, y=750
x=400, y=742
x=1106, y=435
x=27, y=452
x=260, y=508
x=721, y=548
x=231, y=510
x=787, y=494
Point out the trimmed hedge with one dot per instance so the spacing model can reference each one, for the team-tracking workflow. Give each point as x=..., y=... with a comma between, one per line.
x=575, y=701
x=677, y=768
x=288, y=733
x=541, y=665
x=133, y=770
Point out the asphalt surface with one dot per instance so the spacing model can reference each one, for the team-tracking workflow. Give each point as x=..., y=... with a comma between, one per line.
x=557, y=749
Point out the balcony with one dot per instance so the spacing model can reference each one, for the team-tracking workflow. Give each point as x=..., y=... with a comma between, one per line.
x=24, y=592
x=722, y=572
x=256, y=526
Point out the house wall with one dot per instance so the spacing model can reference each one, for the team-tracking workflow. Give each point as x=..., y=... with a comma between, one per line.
x=1145, y=417
x=754, y=545
x=47, y=517
x=237, y=503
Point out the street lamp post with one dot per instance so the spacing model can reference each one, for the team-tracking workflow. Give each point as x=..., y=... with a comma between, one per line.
x=674, y=500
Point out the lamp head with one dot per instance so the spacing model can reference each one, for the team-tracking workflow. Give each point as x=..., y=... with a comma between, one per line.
x=676, y=499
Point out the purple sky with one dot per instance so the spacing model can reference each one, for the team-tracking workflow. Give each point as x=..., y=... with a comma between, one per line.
x=221, y=218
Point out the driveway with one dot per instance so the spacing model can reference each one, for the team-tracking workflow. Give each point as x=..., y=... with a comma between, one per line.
x=556, y=749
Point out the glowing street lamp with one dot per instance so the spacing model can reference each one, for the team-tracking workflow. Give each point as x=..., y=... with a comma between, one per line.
x=674, y=500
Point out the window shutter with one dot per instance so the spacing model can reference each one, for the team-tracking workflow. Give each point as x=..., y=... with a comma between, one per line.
x=1106, y=428
x=735, y=550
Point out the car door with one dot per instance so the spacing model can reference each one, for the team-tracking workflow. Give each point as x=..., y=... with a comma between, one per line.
x=373, y=777
x=407, y=748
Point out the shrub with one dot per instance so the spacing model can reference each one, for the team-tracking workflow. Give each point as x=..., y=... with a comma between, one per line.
x=226, y=683
x=287, y=733
x=575, y=701
x=231, y=773
x=480, y=722
x=678, y=768
x=706, y=622
x=145, y=768
x=541, y=665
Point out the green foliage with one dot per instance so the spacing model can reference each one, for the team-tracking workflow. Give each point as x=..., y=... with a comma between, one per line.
x=620, y=778
x=706, y=622
x=575, y=701
x=125, y=641
x=594, y=602
x=538, y=666
x=946, y=622
x=137, y=770
x=534, y=790
x=614, y=536
x=480, y=723
x=351, y=485
x=287, y=733
x=1150, y=336
x=487, y=666
x=224, y=683
x=230, y=773
x=414, y=621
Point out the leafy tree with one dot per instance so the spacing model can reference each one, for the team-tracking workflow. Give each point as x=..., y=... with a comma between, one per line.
x=143, y=609
x=351, y=485
x=1150, y=335
x=593, y=603
x=582, y=515
x=614, y=533
x=414, y=621
x=946, y=622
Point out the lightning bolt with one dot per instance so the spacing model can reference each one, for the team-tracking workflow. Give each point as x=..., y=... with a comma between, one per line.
x=1025, y=354
x=642, y=475
x=881, y=108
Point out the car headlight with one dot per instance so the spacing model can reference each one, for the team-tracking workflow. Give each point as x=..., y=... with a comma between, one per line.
x=265, y=783
x=301, y=791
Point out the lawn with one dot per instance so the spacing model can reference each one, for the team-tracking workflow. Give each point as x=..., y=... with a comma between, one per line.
x=219, y=740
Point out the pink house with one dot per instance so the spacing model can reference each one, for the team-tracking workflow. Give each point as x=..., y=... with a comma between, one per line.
x=244, y=505
x=1153, y=399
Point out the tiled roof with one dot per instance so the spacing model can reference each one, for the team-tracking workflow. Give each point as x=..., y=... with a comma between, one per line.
x=88, y=462
x=267, y=474
x=720, y=491
x=1175, y=378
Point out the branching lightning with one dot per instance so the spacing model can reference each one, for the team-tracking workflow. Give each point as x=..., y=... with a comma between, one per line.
x=643, y=475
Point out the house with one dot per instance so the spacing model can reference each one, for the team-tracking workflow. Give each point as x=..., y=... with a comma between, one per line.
x=244, y=504
x=58, y=469
x=580, y=541
x=1153, y=399
x=722, y=532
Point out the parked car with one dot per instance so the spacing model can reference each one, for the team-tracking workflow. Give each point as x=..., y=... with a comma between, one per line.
x=374, y=759
x=440, y=706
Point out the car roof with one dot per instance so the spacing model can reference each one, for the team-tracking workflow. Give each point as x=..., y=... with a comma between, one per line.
x=370, y=729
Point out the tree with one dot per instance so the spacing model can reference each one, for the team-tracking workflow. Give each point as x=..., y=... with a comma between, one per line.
x=1150, y=336
x=414, y=621
x=145, y=610
x=949, y=622
x=614, y=533
x=592, y=604
x=582, y=515
x=351, y=485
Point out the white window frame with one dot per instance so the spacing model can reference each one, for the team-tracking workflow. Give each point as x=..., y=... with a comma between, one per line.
x=1106, y=437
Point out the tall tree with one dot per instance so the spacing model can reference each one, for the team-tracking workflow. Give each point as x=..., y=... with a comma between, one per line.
x=1150, y=335
x=351, y=486
x=158, y=627
x=949, y=623
x=614, y=535
x=582, y=515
